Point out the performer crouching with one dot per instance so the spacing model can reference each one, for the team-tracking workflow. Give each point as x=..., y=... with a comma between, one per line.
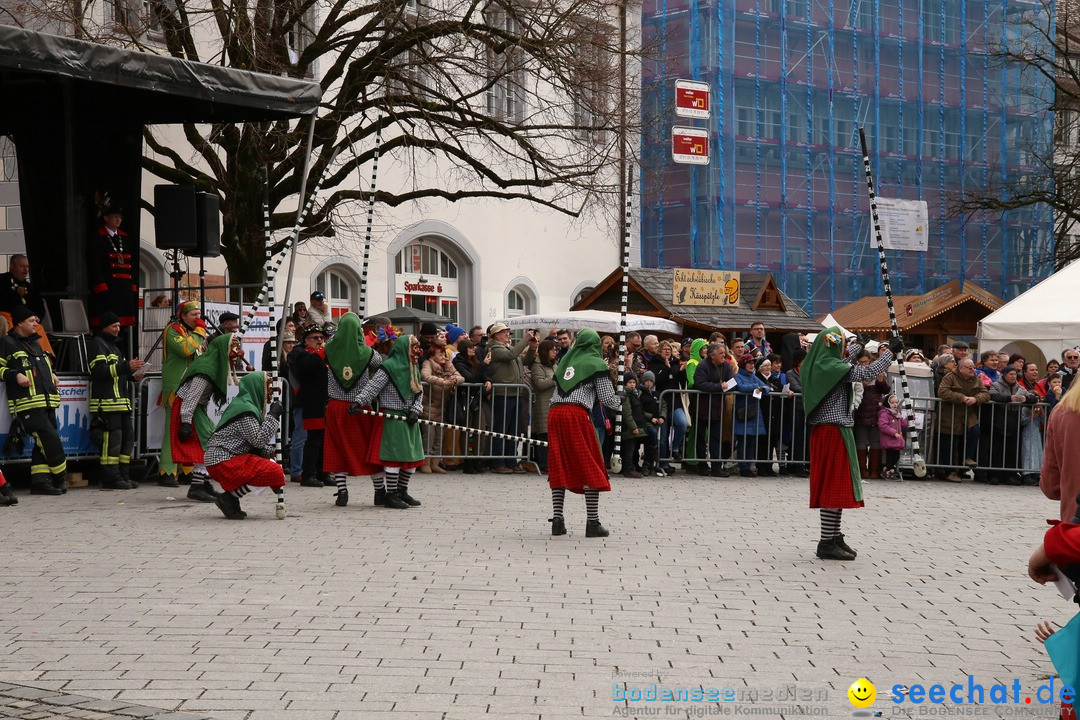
x=240, y=450
x=835, y=483
x=575, y=462
x=346, y=450
x=207, y=379
x=397, y=385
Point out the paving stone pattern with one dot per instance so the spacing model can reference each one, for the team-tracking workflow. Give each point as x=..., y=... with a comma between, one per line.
x=135, y=604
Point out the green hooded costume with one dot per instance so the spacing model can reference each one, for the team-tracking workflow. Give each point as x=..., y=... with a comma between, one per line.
x=822, y=370
x=695, y=358
x=250, y=401
x=346, y=352
x=584, y=361
x=402, y=442
x=214, y=366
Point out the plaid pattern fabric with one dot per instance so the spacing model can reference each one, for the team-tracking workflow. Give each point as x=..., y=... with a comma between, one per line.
x=830, y=470
x=247, y=470
x=336, y=392
x=243, y=436
x=835, y=409
x=186, y=452
x=193, y=393
x=586, y=394
x=574, y=458
x=346, y=448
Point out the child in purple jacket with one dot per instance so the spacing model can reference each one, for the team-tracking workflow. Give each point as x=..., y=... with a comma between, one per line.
x=891, y=425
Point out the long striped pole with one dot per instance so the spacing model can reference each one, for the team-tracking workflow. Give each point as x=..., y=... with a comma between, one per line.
x=616, y=455
x=919, y=464
x=362, y=305
x=274, y=336
x=450, y=426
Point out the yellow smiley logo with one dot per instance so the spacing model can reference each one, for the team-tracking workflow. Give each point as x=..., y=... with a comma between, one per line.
x=862, y=693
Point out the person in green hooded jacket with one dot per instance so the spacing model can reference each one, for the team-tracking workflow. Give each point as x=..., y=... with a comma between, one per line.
x=696, y=347
x=835, y=482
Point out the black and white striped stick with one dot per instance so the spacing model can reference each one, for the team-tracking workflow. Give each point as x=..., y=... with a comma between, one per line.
x=275, y=366
x=462, y=428
x=370, y=217
x=918, y=463
x=616, y=455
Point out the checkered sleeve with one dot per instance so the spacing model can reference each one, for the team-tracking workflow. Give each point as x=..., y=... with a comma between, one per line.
x=866, y=373
x=243, y=435
x=193, y=393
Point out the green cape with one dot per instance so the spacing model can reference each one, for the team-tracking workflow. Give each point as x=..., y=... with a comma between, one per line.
x=695, y=358
x=583, y=361
x=213, y=365
x=250, y=401
x=401, y=370
x=346, y=352
x=823, y=368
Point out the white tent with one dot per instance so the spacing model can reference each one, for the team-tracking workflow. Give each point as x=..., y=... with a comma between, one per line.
x=1043, y=321
x=599, y=320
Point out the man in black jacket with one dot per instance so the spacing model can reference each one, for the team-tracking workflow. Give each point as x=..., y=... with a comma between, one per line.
x=711, y=375
x=307, y=369
x=110, y=403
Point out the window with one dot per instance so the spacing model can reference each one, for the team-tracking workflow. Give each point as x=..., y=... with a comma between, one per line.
x=426, y=278
x=299, y=20
x=515, y=303
x=338, y=289
x=505, y=87
x=582, y=294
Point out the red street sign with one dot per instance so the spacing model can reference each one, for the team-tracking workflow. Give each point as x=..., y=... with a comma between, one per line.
x=692, y=99
x=690, y=145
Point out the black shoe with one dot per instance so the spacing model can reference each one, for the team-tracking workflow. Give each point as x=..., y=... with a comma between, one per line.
x=44, y=487
x=593, y=528
x=326, y=480
x=746, y=473
x=311, y=482
x=380, y=498
x=198, y=493
x=209, y=489
x=830, y=550
x=168, y=481
x=393, y=501
x=803, y=472
x=183, y=478
x=631, y=474
x=115, y=484
x=721, y=473
x=1031, y=480
x=677, y=456
x=839, y=539
x=558, y=526
x=408, y=499
x=295, y=478
x=342, y=497
x=767, y=473
x=229, y=505
x=703, y=469
x=60, y=483
x=7, y=496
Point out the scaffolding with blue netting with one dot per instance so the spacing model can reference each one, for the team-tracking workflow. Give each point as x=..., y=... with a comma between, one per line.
x=792, y=81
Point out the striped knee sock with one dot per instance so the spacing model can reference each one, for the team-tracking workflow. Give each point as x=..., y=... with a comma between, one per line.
x=391, y=479
x=240, y=491
x=558, y=497
x=340, y=481
x=378, y=480
x=830, y=523
x=592, y=505
x=403, y=480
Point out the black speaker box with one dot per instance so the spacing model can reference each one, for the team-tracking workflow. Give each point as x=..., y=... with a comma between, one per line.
x=207, y=225
x=174, y=217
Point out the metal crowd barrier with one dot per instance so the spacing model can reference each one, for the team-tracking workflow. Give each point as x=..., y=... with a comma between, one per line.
x=505, y=408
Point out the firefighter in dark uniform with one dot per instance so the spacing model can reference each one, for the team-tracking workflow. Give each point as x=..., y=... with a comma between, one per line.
x=110, y=403
x=33, y=399
x=113, y=281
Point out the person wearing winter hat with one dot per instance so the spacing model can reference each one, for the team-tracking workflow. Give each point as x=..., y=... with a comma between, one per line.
x=575, y=462
x=835, y=482
x=33, y=399
x=207, y=379
x=453, y=334
x=653, y=411
x=318, y=311
x=307, y=371
x=346, y=445
x=400, y=447
x=110, y=403
x=634, y=426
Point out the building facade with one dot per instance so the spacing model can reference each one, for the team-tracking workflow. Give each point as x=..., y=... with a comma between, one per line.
x=792, y=81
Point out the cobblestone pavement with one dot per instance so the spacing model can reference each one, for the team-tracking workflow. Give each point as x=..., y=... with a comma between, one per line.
x=467, y=608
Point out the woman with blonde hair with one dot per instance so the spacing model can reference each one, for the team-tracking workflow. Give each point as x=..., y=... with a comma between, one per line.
x=1060, y=479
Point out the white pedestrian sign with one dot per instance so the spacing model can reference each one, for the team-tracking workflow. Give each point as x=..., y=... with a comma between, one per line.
x=904, y=224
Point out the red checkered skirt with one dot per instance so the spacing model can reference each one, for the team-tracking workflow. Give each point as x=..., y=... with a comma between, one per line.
x=574, y=458
x=247, y=470
x=347, y=445
x=189, y=452
x=830, y=470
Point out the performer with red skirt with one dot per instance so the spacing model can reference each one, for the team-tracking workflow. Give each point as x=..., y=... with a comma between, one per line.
x=348, y=444
x=401, y=448
x=240, y=450
x=575, y=462
x=835, y=483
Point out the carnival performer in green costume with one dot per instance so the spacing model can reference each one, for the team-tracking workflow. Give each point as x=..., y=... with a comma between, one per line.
x=182, y=343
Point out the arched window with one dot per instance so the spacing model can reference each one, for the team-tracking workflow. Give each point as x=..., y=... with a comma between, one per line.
x=515, y=304
x=338, y=289
x=582, y=294
x=427, y=279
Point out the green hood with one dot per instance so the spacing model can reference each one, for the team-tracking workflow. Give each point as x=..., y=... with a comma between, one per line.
x=583, y=361
x=402, y=371
x=346, y=352
x=250, y=401
x=695, y=358
x=823, y=368
x=213, y=365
